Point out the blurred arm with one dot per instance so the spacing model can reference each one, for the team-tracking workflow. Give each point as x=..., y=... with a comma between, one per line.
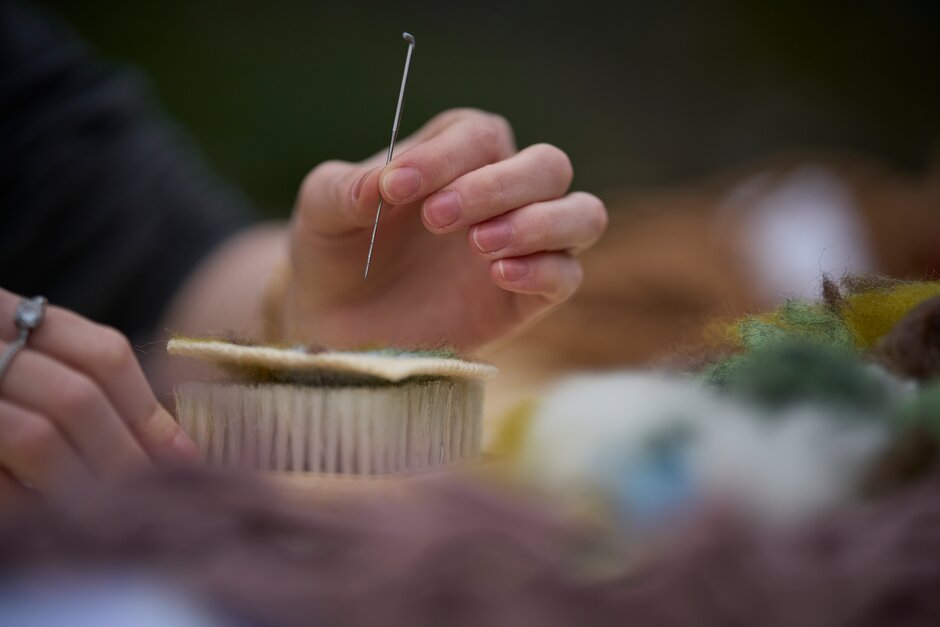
x=107, y=208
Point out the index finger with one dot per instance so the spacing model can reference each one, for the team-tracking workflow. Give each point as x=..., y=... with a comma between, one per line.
x=470, y=143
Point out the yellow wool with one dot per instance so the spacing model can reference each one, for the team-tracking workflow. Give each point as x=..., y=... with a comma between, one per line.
x=720, y=332
x=871, y=314
x=513, y=430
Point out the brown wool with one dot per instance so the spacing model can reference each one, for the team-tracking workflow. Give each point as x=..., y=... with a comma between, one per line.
x=831, y=294
x=912, y=348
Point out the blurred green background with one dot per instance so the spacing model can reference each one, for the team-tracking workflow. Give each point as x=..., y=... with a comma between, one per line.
x=639, y=94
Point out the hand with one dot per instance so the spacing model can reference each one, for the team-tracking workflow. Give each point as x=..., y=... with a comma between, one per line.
x=476, y=239
x=75, y=406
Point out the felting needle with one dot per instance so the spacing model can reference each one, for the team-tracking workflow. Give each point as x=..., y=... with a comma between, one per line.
x=391, y=145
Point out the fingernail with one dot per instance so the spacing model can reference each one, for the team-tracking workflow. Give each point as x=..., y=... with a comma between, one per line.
x=442, y=209
x=513, y=269
x=357, y=188
x=492, y=236
x=401, y=184
x=185, y=447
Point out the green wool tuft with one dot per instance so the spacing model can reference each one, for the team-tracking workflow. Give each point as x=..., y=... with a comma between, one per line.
x=319, y=378
x=791, y=372
x=796, y=320
x=922, y=411
x=723, y=374
x=435, y=353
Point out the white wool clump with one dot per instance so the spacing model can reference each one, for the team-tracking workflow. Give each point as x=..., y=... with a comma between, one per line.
x=782, y=466
x=789, y=467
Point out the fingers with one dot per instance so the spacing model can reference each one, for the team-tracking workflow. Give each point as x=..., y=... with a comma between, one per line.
x=74, y=406
x=33, y=451
x=105, y=357
x=572, y=223
x=552, y=275
x=432, y=128
x=540, y=172
x=339, y=197
x=467, y=145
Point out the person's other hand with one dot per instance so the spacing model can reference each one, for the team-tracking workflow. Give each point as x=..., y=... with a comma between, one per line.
x=75, y=406
x=476, y=239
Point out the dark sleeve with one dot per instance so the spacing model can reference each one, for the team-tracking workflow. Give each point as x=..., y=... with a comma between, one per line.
x=104, y=206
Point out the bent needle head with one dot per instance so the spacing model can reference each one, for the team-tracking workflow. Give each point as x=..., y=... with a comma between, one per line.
x=391, y=145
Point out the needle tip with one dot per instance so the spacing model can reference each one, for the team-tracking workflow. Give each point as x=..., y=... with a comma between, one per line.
x=409, y=38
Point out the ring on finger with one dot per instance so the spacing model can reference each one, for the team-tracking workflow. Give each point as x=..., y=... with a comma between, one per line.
x=28, y=316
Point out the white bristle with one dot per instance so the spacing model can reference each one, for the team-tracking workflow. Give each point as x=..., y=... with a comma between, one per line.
x=348, y=430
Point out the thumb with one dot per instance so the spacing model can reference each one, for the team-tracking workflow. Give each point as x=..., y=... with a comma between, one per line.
x=338, y=197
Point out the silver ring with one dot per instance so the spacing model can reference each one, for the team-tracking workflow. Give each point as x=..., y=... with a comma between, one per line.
x=29, y=315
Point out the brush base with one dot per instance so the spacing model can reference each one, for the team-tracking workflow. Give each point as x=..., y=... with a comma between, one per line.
x=347, y=430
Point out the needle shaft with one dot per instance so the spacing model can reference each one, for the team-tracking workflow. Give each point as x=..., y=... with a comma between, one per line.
x=391, y=144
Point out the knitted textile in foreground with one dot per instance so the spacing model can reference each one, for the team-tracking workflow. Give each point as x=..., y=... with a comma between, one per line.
x=390, y=367
x=470, y=555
